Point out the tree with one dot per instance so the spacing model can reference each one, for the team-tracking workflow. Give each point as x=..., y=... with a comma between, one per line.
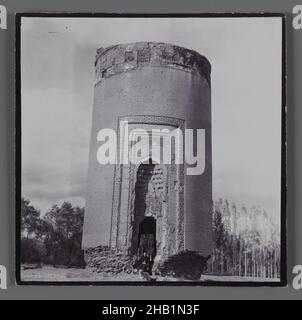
x=55, y=237
x=64, y=237
x=32, y=230
x=67, y=220
x=30, y=218
x=218, y=227
x=248, y=246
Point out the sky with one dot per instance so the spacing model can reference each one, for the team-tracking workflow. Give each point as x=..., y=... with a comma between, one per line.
x=57, y=76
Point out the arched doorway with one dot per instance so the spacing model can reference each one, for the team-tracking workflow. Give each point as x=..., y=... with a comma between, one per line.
x=150, y=189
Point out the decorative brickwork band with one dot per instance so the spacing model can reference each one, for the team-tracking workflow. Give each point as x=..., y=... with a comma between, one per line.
x=126, y=57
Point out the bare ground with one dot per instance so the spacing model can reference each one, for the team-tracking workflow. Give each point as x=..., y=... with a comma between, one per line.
x=49, y=273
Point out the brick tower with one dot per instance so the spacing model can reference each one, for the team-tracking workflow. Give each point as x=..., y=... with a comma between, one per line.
x=149, y=206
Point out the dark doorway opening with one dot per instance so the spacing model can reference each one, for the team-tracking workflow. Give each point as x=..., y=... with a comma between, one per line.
x=147, y=238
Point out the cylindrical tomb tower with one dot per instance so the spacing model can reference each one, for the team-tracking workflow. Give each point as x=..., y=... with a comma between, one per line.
x=151, y=206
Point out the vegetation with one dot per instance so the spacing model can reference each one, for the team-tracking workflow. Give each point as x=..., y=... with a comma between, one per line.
x=54, y=238
x=246, y=242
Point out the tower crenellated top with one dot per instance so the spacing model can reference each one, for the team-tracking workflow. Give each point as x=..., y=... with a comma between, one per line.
x=126, y=57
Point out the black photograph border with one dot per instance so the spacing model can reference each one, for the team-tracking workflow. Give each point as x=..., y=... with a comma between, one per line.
x=18, y=161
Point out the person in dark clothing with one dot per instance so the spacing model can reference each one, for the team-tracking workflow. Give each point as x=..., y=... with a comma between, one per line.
x=150, y=266
x=144, y=263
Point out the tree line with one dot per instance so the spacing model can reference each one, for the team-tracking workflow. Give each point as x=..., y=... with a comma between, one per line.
x=54, y=238
x=246, y=242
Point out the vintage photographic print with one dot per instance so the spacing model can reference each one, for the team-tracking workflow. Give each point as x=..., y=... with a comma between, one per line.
x=151, y=149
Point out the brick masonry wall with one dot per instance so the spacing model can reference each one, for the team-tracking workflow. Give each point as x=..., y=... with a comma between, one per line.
x=151, y=81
